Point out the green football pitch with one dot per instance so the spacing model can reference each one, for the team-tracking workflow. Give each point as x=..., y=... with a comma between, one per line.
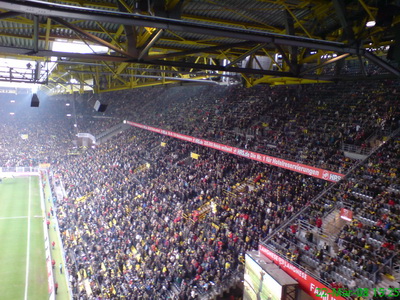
x=23, y=272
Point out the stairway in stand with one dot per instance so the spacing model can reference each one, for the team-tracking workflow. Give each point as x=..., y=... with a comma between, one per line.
x=332, y=224
x=393, y=280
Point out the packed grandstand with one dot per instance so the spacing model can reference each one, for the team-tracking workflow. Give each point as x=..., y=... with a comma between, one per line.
x=141, y=217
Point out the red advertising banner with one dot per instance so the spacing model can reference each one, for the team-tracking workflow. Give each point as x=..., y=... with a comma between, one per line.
x=346, y=214
x=270, y=160
x=307, y=283
x=50, y=279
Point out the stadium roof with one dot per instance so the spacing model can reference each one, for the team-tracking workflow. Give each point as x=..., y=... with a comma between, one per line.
x=137, y=43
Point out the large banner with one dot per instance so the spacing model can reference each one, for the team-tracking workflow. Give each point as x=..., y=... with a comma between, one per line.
x=310, y=285
x=270, y=160
x=346, y=214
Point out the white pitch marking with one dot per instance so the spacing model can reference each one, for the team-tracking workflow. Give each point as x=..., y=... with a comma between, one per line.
x=10, y=218
x=28, y=244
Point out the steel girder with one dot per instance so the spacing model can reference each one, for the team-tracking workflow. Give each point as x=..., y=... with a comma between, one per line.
x=82, y=13
x=153, y=41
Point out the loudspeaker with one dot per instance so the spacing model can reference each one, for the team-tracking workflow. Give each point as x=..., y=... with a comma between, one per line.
x=100, y=107
x=35, y=101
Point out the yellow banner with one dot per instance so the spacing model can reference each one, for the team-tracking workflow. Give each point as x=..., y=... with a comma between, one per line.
x=163, y=144
x=194, y=155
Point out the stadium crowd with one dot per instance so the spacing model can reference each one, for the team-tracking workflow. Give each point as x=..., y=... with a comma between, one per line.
x=142, y=220
x=151, y=219
x=33, y=135
x=306, y=125
x=367, y=247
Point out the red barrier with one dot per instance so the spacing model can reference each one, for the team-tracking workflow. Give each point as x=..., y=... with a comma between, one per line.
x=307, y=283
x=270, y=160
x=50, y=279
x=346, y=214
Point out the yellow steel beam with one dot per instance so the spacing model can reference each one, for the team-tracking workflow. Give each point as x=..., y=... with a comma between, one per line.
x=163, y=74
x=110, y=35
x=115, y=75
x=127, y=7
x=317, y=7
x=48, y=28
x=241, y=14
x=311, y=58
x=23, y=57
x=121, y=67
x=268, y=79
x=273, y=59
x=176, y=35
x=119, y=32
x=367, y=9
x=156, y=51
x=319, y=10
x=230, y=23
x=25, y=21
x=359, y=30
x=101, y=4
x=145, y=84
x=303, y=3
x=396, y=20
x=174, y=69
x=297, y=20
x=184, y=16
x=21, y=19
x=144, y=36
x=114, y=41
x=96, y=87
x=170, y=4
x=196, y=61
x=29, y=37
x=90, y=36
x=204, y=43
x=57, y=75
x=81, y=80
x=212, y=61
x=319, y=71
x=245, y=77
x=67, y=89
x=131, y=79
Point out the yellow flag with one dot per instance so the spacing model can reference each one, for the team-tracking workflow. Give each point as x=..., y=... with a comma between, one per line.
x=194, y=155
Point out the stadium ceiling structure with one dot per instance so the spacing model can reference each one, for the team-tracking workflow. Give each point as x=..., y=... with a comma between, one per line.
x=138, y=43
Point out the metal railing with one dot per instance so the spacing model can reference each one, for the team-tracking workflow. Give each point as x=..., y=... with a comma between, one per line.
x=326, y=190
x=356, y=149
x=388, y=262
x=110, y=132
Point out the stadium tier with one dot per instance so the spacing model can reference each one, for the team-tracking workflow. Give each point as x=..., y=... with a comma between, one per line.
x=164, y=211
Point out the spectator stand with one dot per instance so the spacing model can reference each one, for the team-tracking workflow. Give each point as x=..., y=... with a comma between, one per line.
x=301, y=245
x=294, y=128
